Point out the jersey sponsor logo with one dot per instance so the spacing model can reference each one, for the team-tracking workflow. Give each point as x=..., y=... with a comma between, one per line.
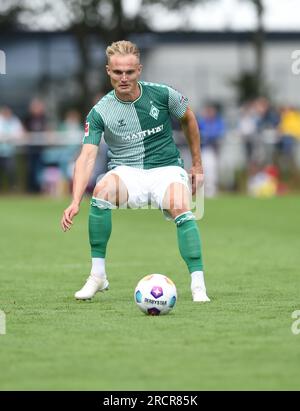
x=86, y=129
x=154, y=112
x=143, y=134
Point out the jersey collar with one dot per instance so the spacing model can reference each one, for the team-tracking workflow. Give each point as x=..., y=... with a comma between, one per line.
x=130, y=102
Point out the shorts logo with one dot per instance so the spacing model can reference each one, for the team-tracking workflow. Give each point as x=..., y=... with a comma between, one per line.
x=86, y=129
x=183, y=177
x=154, y=112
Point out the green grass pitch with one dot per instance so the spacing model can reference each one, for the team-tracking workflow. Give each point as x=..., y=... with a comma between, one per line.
x=242, y=340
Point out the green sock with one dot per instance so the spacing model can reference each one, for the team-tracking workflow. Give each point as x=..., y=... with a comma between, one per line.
x=189, y=241
x=99, y=228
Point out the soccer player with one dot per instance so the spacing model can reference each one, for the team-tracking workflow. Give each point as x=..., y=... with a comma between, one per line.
x=144, y=164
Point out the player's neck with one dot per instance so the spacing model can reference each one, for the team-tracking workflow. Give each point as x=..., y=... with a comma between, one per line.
x=131, y=96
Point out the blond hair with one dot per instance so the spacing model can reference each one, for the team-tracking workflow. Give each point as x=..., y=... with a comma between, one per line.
x=122, y=47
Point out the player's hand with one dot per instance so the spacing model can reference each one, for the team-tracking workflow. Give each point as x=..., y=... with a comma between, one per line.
x=197, y=177
x=67, y=218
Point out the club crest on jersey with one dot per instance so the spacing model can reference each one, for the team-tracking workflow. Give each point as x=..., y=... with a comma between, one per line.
x=182, y=99
x=154, y=112
x=86, y=129
x=121, y=123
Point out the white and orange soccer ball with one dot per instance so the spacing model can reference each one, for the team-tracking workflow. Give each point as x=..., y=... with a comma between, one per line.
x=155, y=294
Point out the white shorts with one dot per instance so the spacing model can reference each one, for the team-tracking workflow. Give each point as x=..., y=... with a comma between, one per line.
x=149, y=186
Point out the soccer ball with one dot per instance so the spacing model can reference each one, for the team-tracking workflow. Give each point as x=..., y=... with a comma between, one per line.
x=155, y=294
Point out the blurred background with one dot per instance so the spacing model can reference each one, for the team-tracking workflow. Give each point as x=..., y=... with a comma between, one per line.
x=238, y=61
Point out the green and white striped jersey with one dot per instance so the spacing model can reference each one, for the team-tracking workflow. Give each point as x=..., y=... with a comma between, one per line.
x=138, y=133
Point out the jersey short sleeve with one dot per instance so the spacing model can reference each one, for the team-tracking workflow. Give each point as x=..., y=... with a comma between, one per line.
x=93, y=129
x=177, y=103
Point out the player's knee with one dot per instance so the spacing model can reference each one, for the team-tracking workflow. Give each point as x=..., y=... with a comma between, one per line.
x=106, y=190
x=111, y=189
x=176, y=199
x=101, y=193
x=177, y=206
x=175, y=212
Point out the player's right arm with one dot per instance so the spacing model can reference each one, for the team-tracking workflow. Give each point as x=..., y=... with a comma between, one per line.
x=94, y=128
x=83, y=169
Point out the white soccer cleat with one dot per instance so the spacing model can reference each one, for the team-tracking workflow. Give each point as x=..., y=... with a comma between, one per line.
x=93, y=285
x=199, y=295
x=198, y=288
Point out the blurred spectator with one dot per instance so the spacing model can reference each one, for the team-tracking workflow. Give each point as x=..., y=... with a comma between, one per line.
x=247, y=128
x=267, y=134
x=35, y=122
x=71, y=122
x=257, y=126
x=101, y=162
x=289, y=139
x=11, y=131
x=98, y=96
x=212, y=130
x=267, y=116
x=59, y=160
x=289, y=128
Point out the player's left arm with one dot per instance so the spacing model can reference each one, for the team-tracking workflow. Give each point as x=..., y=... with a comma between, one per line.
x=191, y=131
